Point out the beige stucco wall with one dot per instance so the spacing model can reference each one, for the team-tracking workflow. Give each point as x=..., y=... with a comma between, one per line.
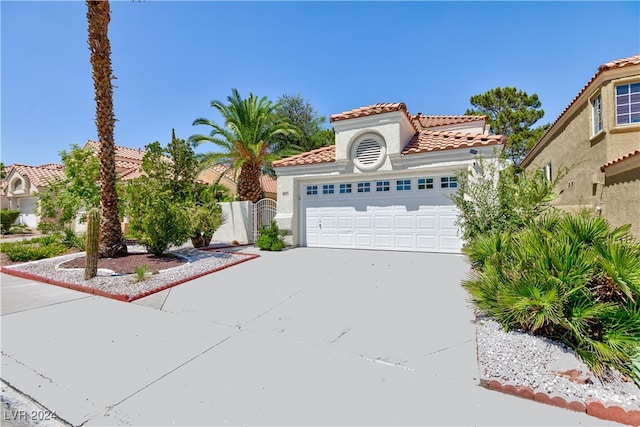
x=622, y=199
x=571, y=144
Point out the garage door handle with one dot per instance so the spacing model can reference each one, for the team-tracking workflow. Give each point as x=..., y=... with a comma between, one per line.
x=320, y=225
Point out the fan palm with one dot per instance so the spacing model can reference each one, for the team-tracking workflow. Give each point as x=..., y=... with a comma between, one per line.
x=250, y=126
x=98, y=16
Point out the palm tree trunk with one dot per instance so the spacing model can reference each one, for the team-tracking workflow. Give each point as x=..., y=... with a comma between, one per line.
x=98, y=17
x=249, y=187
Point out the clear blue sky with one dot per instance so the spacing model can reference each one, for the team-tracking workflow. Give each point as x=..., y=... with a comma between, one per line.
x=171, y=59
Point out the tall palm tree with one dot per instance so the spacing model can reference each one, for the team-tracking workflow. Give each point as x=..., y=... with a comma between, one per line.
x=250, y=126
x=98, y=17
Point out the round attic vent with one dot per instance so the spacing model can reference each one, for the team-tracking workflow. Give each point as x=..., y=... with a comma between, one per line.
x=368, y=153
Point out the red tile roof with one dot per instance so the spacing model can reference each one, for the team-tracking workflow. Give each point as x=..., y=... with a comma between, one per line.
x=424, y=140
x=428, y=140
x=39, y=176
x=369, y=110
x=133, y=155
x=319, y=155
x=618, y=160
x=426, y=122
x=618, y=63
x=267, y=183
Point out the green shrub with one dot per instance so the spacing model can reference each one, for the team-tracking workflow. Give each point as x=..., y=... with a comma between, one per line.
x=7, y=218
x=205, y=220
x=571, y=278
x=156, y=220
x=21, y=251
x=271, y=238
x=491, y=200
x=72, y=240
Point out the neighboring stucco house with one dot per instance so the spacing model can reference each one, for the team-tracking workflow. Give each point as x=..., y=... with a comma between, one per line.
x=212, y=174
x=598, y=137
x=387, y=182
x=21, y=186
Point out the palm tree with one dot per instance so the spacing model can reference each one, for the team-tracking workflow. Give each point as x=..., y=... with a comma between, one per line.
x=98, y=16
x=250, y=126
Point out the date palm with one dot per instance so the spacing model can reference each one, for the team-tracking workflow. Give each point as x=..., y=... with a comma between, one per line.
x=98, y=17
x=246, y=139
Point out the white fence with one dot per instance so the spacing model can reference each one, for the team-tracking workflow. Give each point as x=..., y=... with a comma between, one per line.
x=242, y=220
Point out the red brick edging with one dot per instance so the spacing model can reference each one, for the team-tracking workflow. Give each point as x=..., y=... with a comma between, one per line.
x=123, y=297
x=592, y=407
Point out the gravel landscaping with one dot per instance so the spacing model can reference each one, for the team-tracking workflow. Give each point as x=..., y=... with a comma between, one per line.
x=543, y=365
x=127, y=287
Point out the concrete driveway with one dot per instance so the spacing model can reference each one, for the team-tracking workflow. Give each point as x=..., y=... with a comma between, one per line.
x=304, y=337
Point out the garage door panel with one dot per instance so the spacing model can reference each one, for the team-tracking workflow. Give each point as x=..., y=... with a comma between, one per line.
x=364, y=240
x=383, y=222
x=426, y=242
x=404, y=241
x=426, y=222
x=364, y=222
x=383, y=241
x=448, y=222
x=403, y=221
x=345, y=240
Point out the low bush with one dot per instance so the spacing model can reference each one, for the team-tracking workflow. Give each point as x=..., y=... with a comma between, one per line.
x=571, y=278
x=271, y=238
x=7, y=219
x=31, y=251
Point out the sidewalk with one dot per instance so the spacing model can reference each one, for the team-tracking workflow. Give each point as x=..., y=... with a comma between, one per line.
x=299, y=337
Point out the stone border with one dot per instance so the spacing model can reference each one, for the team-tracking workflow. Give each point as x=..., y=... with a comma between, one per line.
x=590, y=406
x=123, y=297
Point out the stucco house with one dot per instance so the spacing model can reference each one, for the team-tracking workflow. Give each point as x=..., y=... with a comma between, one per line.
x=21, y=186
x=386, y=184
x=597, y=137
x=227, y=178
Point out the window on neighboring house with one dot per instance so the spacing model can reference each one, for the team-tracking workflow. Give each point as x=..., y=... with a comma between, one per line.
x=312, y=190
x=403, y=184
x=328, y=189
x=382, y=186
x=425, y=183
x=364, y=187
x=448, y=182
x=596, y=112
x=16, y=185
x=547, y=172
x=628, y=103
x=345, y=188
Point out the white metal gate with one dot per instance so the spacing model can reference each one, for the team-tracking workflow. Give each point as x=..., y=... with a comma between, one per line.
x=264, y=210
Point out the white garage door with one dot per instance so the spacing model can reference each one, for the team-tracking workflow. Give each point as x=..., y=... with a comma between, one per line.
x=408, y=214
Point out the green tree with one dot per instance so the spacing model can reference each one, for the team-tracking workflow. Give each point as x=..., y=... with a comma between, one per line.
x=174, y=167
x=512, y=112
x=98, y=16
x=166, y=206
x=491, y=200
x=78, y=191
x=3, y=173
x=310, y=125
x=246, y=139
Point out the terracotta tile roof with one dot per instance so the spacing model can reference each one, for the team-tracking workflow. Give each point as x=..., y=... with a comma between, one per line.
x=319, y=155
x=618, y=63
x=618, y=160
x=268, y=184
x=40, y=175
x=423, y=142
x=133, y=155
x=372, y=110
x=425, y=122
x=369, y=110
x=428, y=140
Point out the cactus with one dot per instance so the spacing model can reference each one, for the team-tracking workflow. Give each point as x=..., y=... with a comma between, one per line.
x=92, y=243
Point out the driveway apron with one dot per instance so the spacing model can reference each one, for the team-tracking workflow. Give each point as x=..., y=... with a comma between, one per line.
x=305, y=336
